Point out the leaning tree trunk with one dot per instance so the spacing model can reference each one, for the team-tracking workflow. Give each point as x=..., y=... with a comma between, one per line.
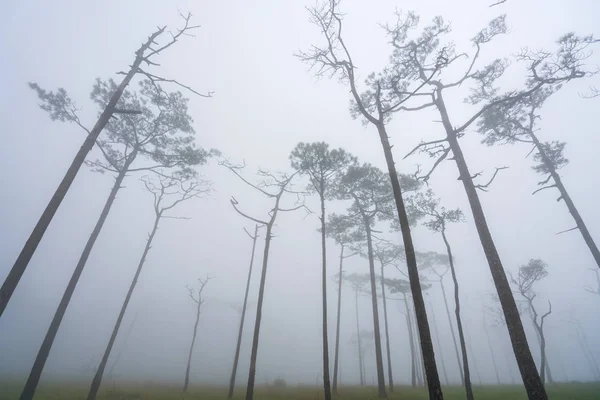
x=568, y=201
x=261, y=295
x=241, y=329
x=458, y=360
x=100, y=371
x=360, y=361
x=186, y=382
x=531, y=379
x=337, y=329
x=461, y=335
x=433, y=379
x=413, y=373
x=326, y=379
x=20, y=265
x=42, y=356
x=489, y=340
x=437, y=338
x=378, y=354
x=387, y=333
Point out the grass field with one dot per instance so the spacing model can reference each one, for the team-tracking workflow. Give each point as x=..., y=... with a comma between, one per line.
x=567, y=391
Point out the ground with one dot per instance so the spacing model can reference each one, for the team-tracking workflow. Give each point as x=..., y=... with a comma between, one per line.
x=565, y=391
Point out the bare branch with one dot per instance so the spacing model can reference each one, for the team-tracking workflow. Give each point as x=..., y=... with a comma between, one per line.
x=424, y=144
x=498, y=2
x=426, y=177
x=234, y=203
x=545, y=187
x=484, y=187
x=568, y=230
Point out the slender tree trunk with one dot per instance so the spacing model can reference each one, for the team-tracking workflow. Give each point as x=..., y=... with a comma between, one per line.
x=326, y=378
x=437, y=338
x=433, y=379
x=474, y=358
x=411, y=340
x=531, y=379
x=461, y=335
x=547, y=371
x=489, y=340
x=42, y=356
x=100, y=371
x=378, y=354
x=123, y=346
x=458, y=360
x=241, y=329
x=568, y=201
x=186, y=383
x=261, y=294
x=589, y=355
x=387, y=333
x=20, y=265
x=337, y=329
x=360, y=360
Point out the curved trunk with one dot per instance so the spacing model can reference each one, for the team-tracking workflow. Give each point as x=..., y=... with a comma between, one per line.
x=186, y=382
x=100, y=371
x=42, y=356
x=387, y=334
x=378, y=355
x=531, y=379
x=360, y=360
x=568, y=201
x=20, y=265
x=337, y=329
x=437, y=338
x=461, y=335
x=547, y=372
x=456, y=352
x=326, y=379
x=413, y=373
x=433, y=379
x=243, y=317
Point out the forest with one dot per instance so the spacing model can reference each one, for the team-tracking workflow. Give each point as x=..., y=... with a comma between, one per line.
x=330, y=199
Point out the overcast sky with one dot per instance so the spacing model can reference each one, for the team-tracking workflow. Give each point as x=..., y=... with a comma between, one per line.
x=266, y=101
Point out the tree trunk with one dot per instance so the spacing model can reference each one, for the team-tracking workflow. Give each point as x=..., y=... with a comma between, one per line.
x=261, y=294
x=474, y=361
x=437, y=338
x=568, y=201
x=241, y=329
x=42, y=356
x=589, y=355
x=326, y=379
x=529, y=374
x=489, y=340
x=378, y=354
x=186, y=382
x=387, y=334
x=411, y=340
x=458, y=360
x=337, y=329
x=547, y=371
x=461, y=335
x=18, y=269
x=100, y=371
x=360, y=361
x=433, y=379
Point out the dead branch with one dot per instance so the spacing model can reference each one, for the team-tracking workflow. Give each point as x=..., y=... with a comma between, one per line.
x=567, y=230
x=497, y=3
x=421, y=147
x=484, y=187
x=542, y=188
x=437, y=162
x=234, y=203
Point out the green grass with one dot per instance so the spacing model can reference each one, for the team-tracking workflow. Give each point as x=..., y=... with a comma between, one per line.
x=566, y=391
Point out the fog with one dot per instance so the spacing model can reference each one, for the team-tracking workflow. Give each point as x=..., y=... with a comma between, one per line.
x=265, y=101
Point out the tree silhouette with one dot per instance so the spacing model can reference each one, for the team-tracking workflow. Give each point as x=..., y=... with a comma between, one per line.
x=359, y=284
x=60, y=107
x=334, y=59
x=427, y=207
x=323, y=166
x=159, y=139
x=162, y=189
x=196, y=296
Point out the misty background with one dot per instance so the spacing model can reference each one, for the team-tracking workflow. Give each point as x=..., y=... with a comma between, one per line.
x=265, y=102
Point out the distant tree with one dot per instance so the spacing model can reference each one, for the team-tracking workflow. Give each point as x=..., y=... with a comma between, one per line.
x=597, y=290
x=333, y=59
x=364, y=340
x=387, y=254
x=530, y=273
x=439, y=343
x=196, y=296
x=273, y=186
x=160, y=139
x=343, y=230
x=427, y=207
x=323, y=168
x=516, y=123
x=243, y=313
x=491, y=347
x=359, y=283
x=162, y=189
x=585, y=347
x=421, y=67
x=61, y=108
